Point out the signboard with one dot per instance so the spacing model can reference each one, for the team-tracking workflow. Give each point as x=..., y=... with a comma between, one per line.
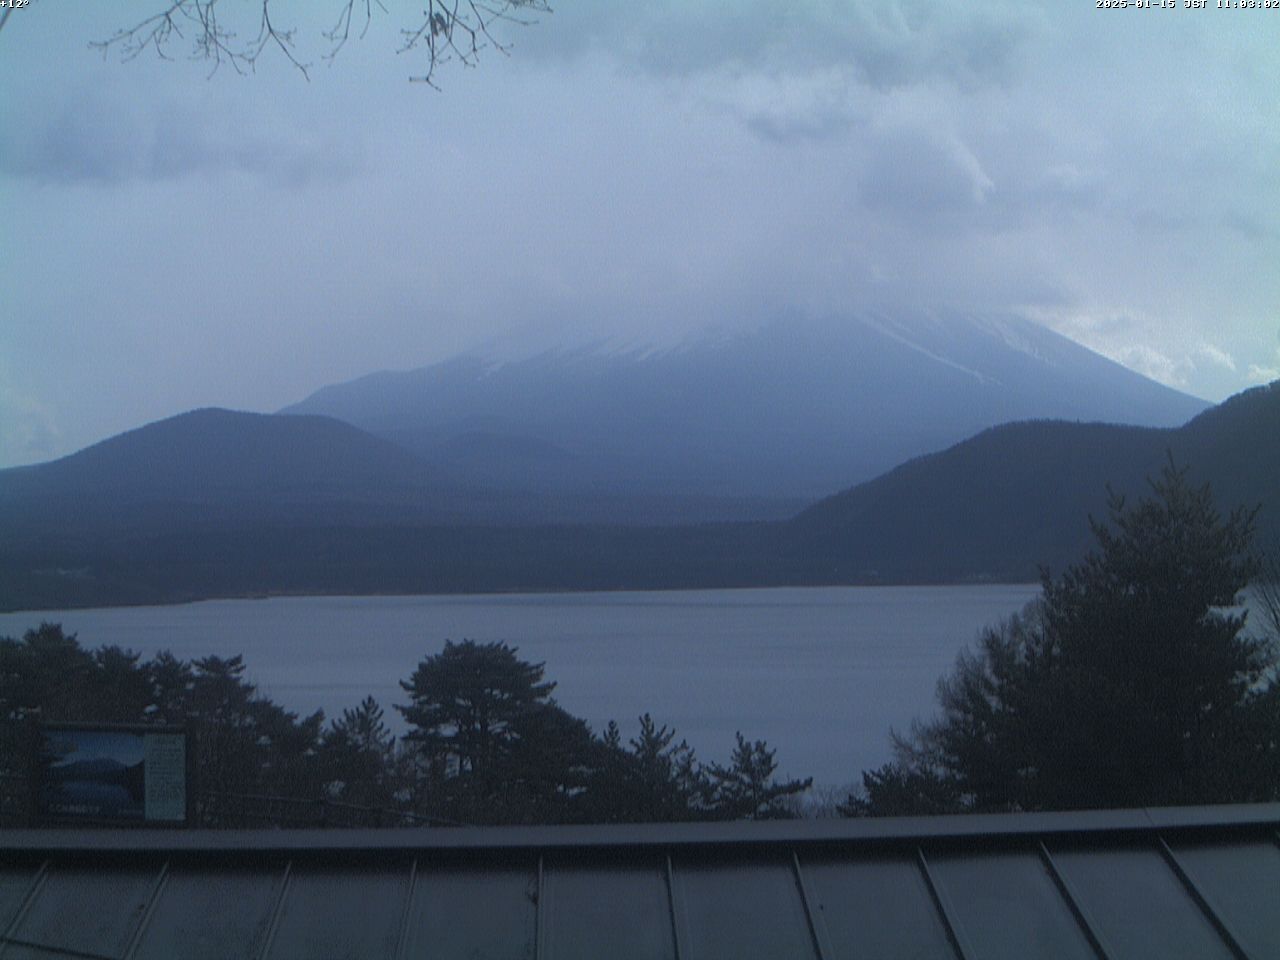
x=115, y=775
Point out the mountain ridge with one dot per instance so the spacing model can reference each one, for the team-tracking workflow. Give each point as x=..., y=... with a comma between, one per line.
x=211, y=468
x=788, y=410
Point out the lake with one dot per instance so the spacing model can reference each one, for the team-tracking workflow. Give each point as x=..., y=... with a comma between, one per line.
x=821, y=673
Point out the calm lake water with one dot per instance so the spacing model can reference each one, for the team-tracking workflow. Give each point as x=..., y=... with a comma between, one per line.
x=822, y=674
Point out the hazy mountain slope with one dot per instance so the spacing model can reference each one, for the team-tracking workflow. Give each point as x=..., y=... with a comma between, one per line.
x=788, y=410
x=212, y=467
x=207, y=454
x=220, y=469
x=1018, y=496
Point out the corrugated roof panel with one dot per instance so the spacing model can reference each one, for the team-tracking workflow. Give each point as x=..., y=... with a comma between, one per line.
x=85, y=910
x=599, y=909
x=473, y=914
x=740, y=910
x=211, y=913
x=1242, y=882
x=1137, y=904
x=1005, y=906
x=1009, y=886
x=15, y=884
x=874, y=908
x=342, y=912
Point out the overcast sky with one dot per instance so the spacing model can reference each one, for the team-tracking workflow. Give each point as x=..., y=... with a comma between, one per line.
x=633, y=171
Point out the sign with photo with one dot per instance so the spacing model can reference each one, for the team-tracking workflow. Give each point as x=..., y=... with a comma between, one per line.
x=116, y=775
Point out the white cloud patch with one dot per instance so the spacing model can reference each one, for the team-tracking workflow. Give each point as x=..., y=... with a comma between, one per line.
x=1154, y=363
x=1166, y=348
x=29, y=430
x=1260, y=374
x=783, y=107
x=1265, y=372
x=1123, y=336
x=1217, y=356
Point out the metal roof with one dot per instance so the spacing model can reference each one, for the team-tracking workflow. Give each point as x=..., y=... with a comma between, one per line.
x=1195, y=883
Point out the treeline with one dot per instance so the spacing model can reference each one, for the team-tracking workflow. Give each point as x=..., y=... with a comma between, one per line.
x=1134, y=681
x=486, y=743
x=168, y=561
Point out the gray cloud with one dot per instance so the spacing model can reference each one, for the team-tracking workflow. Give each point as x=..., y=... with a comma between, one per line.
x=92, y=138
x=888, y=44
x=923, y=176
x=630, y=172
x=785, y=108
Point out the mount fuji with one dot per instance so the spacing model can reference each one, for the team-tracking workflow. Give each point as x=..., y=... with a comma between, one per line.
x=789, y=411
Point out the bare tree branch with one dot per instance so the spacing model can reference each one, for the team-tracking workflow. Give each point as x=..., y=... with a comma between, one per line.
x=341, y=31
x=450, y=30
x=283, y=39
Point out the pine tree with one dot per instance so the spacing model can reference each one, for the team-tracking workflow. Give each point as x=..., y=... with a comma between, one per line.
x=746, y=789
x=466, y=701
x=357, y=757
x=491, y=744
x=1131, y=682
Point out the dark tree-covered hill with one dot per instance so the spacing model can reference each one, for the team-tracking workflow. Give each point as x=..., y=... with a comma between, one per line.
x=209, y=454
x=999, y=504
x=203, y=468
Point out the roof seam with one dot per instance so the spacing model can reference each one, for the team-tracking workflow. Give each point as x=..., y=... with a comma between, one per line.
x=961, y=948
x=54, y=950
x=1087, y=925
x=268, y=939
x=1201, y=901
x=539, y=913
x=149, y=909
x=819, y=937
x=673, y=899
x=402, y=946
x=24, y=907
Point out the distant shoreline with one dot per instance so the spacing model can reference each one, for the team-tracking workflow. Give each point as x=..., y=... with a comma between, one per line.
x=513, y=592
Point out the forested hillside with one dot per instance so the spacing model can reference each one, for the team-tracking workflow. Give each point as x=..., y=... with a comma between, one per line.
x=1016, y=496
x=179, y=520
